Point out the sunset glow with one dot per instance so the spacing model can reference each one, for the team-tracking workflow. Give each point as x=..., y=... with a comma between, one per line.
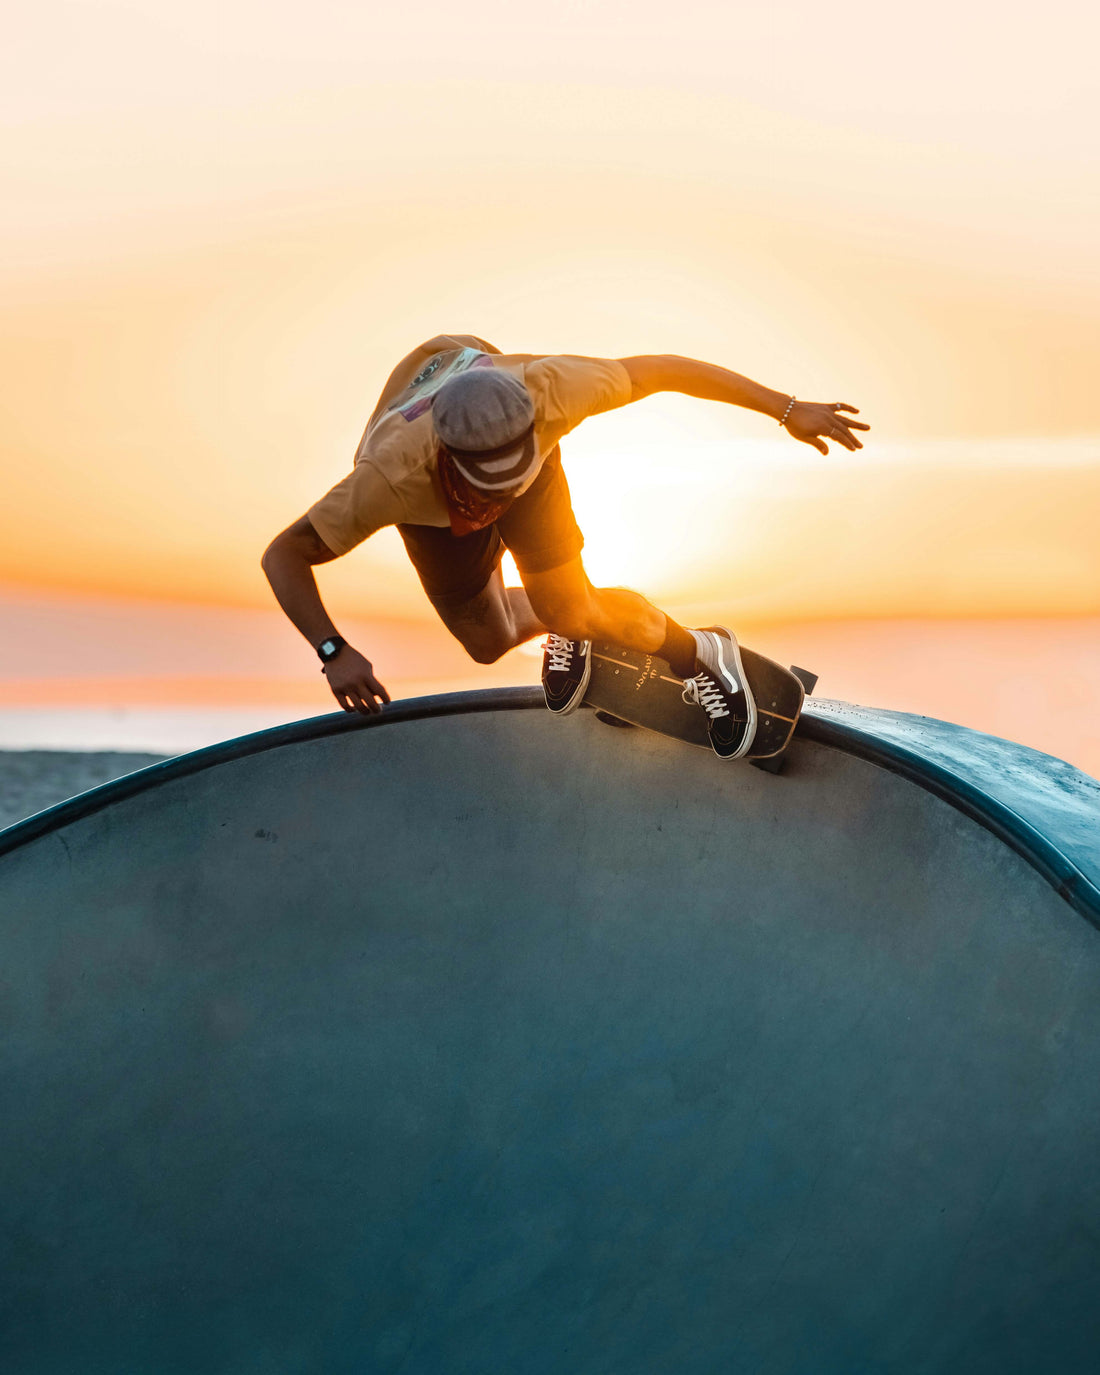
x=224, y=225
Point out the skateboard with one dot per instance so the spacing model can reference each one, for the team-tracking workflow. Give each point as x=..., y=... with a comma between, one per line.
x=629, y=687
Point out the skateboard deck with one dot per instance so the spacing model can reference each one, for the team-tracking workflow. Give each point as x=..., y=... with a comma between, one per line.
x=627, y=685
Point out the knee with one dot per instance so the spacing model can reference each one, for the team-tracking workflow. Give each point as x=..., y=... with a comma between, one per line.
x=484, y=651
x=482, y=645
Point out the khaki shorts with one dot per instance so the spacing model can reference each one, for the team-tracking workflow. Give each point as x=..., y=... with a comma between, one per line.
x=539, y=529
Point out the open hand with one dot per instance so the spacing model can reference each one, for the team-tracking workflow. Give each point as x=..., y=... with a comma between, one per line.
x=813, y=422
x=353, y=684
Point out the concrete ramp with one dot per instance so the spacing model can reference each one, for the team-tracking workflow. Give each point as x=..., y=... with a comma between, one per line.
x=474, y=1040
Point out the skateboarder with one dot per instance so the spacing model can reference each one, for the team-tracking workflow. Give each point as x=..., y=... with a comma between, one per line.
x=462, y=455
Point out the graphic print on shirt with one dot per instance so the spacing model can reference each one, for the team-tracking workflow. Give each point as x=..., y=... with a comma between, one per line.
x=419, y=394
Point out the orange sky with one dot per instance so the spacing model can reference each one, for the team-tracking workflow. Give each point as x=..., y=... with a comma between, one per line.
x=224, y=225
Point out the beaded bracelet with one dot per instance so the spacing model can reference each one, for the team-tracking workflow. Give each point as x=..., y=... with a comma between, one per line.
x=790, y=407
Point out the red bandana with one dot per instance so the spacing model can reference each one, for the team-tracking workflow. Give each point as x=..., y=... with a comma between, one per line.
x=468, y=508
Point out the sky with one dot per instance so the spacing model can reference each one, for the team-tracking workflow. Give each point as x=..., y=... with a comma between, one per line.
x=225, y=223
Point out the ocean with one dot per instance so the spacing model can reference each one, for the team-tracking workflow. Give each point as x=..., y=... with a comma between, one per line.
x=1035, y=681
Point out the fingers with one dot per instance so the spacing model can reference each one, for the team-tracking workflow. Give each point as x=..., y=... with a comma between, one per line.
x=378, y=690
x=836, y=432
x=845, y=437
x=829, y=424
x=365, y=695
x=362, y=702
x=852, y=424
x=839, y=427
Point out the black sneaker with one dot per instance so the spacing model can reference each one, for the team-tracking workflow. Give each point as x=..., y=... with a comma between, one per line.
x=723, y=691
x=566, y=669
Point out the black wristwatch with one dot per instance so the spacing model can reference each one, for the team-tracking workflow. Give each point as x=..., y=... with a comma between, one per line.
x=328, y=649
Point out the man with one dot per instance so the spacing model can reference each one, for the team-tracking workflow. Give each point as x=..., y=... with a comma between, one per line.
x=462, y=455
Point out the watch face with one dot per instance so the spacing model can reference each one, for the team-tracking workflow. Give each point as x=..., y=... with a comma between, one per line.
x=327, y=648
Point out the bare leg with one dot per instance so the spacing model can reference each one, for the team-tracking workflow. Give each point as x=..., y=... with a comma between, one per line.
x=616, y=613
x=493, y=622
x=571, y=607
x=525, y=624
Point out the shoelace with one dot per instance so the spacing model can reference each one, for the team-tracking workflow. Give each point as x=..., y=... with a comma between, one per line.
x=705, y=693
x=561, y=653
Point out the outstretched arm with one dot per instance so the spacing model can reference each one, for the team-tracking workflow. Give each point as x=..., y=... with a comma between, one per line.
x=288, y=563
x=810, y=421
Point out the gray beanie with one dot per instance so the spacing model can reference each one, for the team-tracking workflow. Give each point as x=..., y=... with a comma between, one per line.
x=486, y=418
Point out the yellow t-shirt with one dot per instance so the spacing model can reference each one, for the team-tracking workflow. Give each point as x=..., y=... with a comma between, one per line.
x=394, y=480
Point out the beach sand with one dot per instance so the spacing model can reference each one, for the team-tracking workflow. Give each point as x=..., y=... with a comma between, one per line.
x=31, y=780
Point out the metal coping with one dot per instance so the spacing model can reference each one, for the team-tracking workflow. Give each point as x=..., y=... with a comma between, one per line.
x=1043, y=853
